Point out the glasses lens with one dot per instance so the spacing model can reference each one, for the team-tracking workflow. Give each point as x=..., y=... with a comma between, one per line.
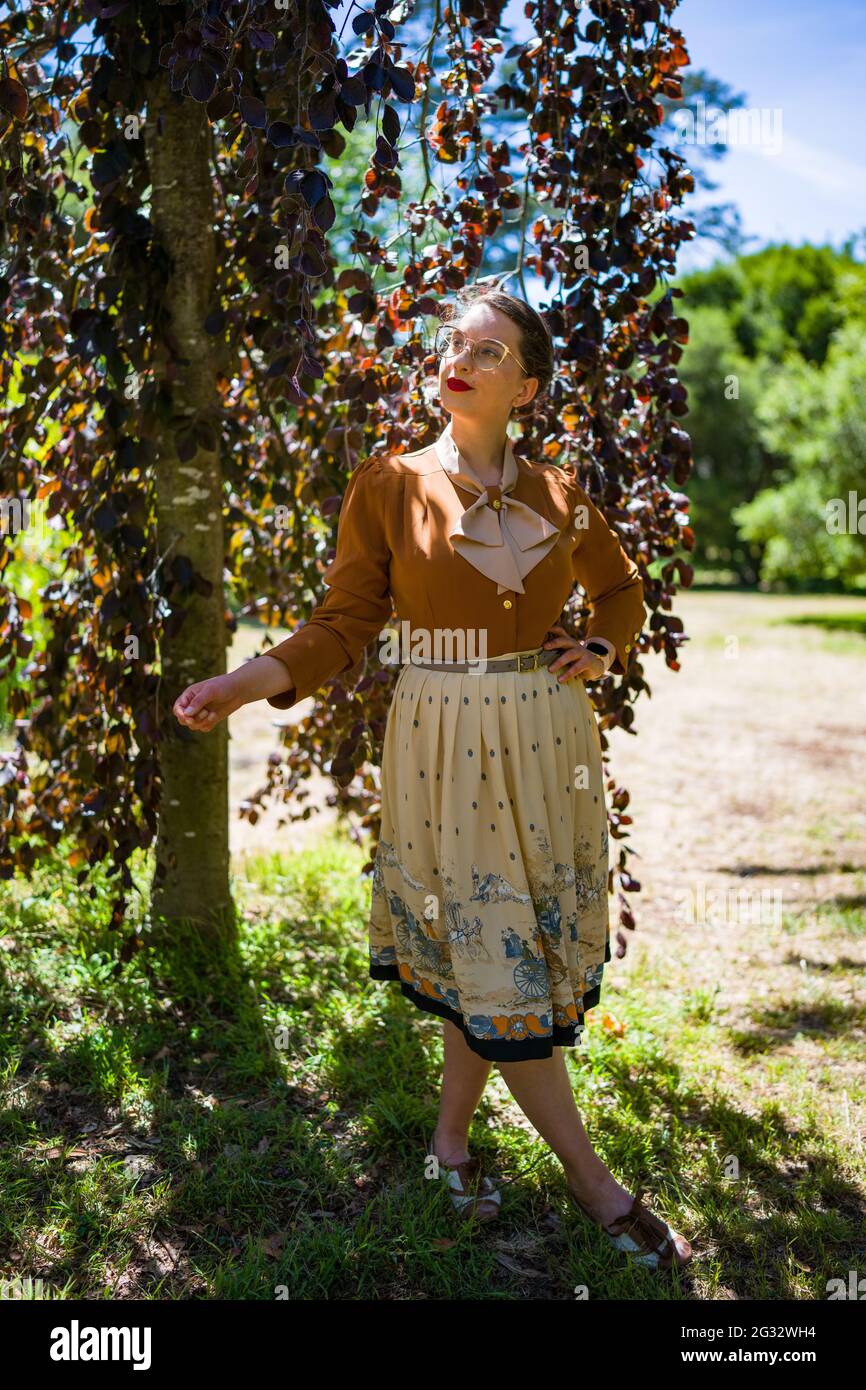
x=450, y=342
x=488, y=354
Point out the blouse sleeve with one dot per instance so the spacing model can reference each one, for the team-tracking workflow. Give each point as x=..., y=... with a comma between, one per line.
x=610, y=579
x=358, y=602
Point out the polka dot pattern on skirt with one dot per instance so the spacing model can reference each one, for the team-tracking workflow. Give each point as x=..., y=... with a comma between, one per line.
x=498, y=918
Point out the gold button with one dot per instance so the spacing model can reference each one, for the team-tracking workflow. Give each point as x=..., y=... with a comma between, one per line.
x=506, y=603
x=628, y=646
x=496, y=505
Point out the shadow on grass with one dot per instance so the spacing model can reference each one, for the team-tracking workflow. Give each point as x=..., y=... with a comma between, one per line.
x=169, y=1149
x=831, y=622
x=789, y=1220
x=793, y=871
x=780, y=1024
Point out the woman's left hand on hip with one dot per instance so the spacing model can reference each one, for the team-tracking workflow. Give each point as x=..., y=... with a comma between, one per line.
x=575, y=660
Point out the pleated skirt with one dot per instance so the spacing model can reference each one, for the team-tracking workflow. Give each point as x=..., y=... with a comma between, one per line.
x=489, y=901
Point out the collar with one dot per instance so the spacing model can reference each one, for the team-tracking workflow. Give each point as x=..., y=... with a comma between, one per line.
x=498, y=534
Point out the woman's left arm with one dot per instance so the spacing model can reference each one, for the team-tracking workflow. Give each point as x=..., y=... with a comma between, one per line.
x=610, y=579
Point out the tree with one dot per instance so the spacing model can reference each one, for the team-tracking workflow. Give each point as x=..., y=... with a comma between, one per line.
x=811, y=522
x=198, y=376
x=783, y=298
x=773, y=378
x=724, y=388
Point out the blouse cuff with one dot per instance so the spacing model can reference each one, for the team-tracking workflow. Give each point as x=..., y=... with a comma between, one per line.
x=312, y=655
x=285, y=698
x=611, y=650
x=618, y=619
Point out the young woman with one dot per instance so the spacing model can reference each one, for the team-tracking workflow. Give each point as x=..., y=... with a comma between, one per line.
x=489, y=899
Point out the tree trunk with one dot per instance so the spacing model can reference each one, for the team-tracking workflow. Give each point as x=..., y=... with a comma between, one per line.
x=192, y=875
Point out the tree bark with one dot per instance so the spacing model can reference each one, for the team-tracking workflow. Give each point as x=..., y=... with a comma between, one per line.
x=192, y=841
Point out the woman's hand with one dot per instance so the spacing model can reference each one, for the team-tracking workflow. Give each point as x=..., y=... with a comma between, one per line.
x=576, y=660
x=204, y=704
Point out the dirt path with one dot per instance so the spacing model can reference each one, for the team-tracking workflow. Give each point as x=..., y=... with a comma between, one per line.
x=748, y=780
x=253, y=736
x=749, y=765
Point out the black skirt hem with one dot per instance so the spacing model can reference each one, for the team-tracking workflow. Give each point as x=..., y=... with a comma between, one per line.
x=496, y=1049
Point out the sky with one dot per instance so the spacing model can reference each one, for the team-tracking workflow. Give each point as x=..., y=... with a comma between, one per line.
x=806, y=60
x=799, y=66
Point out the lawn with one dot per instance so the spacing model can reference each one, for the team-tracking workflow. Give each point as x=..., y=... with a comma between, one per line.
x=256, y=1128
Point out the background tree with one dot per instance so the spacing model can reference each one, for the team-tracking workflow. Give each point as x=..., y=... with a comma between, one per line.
x=724, y=389
x=774, y=372
x=188, y=388
x=814, y=419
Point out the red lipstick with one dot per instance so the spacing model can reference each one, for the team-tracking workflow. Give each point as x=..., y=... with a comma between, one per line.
x=457, y=384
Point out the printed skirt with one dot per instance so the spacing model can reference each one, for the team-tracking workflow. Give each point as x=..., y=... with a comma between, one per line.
x=489, y=902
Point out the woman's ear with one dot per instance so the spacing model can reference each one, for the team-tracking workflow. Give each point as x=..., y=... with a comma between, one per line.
x=527, y=404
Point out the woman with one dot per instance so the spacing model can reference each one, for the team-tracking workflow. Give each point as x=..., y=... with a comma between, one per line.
x=489, y=901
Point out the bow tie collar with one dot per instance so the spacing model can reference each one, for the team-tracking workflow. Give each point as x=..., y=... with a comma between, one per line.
x=498, y=534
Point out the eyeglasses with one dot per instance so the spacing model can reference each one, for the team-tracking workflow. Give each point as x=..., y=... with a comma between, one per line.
x=487, y=353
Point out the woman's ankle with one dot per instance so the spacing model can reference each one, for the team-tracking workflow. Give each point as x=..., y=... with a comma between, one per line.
x=590, y=1180
x=603, y=1196
x=450, y=1146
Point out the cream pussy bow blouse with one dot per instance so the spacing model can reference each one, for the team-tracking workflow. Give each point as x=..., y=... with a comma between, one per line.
x=420, y=532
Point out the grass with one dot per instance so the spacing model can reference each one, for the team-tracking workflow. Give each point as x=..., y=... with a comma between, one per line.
x=255, y=1128
x=853, y=621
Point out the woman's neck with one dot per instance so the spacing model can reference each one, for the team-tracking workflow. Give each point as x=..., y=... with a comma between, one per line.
x=475, y=445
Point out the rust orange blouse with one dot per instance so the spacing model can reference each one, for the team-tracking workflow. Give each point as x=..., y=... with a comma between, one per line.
x=420, y=533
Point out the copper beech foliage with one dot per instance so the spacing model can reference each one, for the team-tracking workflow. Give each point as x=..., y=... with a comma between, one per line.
x=319, y=364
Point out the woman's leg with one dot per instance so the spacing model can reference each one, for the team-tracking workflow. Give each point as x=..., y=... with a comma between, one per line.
x=464, y=1077
x=542, y=1089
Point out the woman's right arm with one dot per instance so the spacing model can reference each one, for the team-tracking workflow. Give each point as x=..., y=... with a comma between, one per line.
x=356, y=607
x=204, y=704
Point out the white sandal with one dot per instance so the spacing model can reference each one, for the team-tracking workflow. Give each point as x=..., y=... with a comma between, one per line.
x=473, y=1194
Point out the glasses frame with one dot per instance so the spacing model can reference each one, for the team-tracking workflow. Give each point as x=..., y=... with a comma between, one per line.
x=473, y=342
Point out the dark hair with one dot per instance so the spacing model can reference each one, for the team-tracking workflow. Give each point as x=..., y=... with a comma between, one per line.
x=536, y=344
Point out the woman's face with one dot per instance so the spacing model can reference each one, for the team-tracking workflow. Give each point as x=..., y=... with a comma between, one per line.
x=495, y=392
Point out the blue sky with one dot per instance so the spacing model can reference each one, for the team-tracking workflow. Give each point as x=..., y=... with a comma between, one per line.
x=806, y=60
x=802, y=62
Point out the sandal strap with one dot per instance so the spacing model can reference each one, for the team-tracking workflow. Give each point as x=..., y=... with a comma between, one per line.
x=467, y=1170
x=468, y=1185
x=643, y=1233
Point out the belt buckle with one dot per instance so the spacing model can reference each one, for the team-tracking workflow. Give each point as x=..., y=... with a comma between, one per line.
x=531, y=660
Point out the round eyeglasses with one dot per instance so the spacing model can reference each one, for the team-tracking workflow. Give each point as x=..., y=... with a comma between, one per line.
x=487, y=353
